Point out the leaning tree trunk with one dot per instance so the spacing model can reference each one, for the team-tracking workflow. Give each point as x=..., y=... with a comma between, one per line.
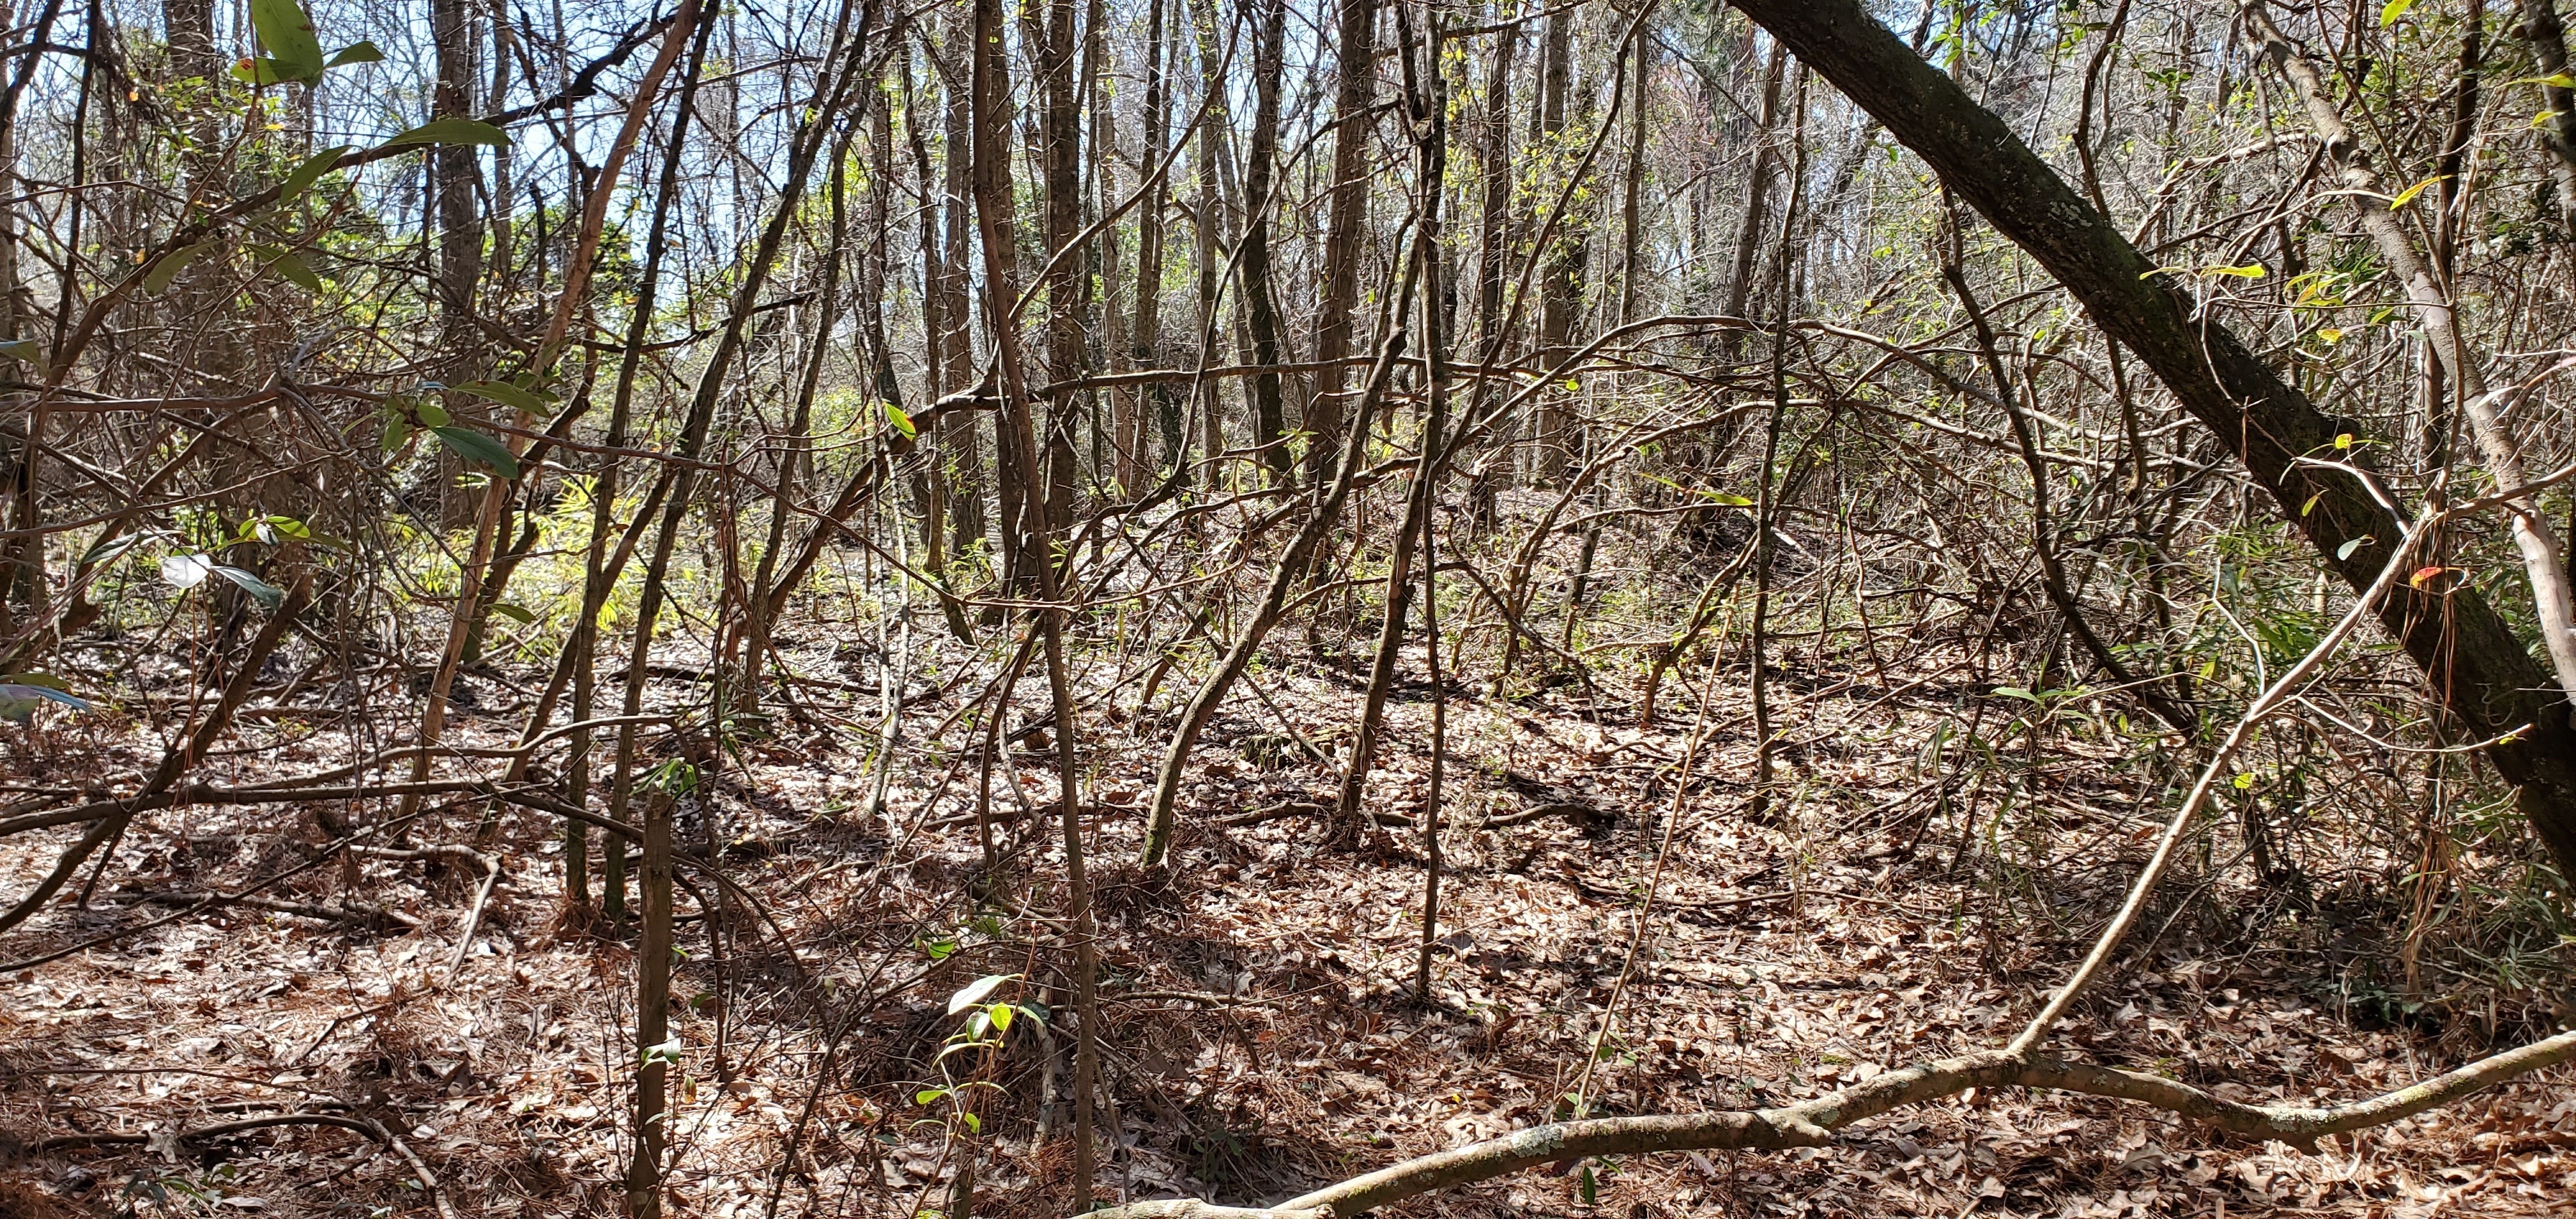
x=2476, y=665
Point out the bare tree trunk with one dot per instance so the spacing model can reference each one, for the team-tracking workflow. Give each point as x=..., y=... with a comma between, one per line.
x=599, y=572
x=1260, y=306
x=1070, y=276
x=455, y=173
x=1207, y=232
x=960, y=439
x=1428, y=102
x=1561, y=275
x=1146, y=334
x=1496, y=155
x=655, y=1048
x=939, y=330
x=1354, y=99
x=1022, y=497
x=2541, y=29
x=1750, y=228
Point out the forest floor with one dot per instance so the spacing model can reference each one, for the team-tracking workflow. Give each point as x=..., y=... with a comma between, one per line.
x=1260, y=1029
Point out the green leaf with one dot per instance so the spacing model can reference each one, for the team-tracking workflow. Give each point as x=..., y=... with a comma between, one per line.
x=2251, y=270
x=973, y=992
x=902, y=422
x=310, y=171
x=430, y=414
x=2391, y=11
x=262, y=70
x=2407, y=195
x=513, y=613
x=502, y=392
x=2557, y=80
x=47, y=680
x=28, y=350
x=2345, y=551
x=361, y=51
x=20, y=698
x=973, y=1122
x=476, y=447
x=264, y=592
x=1591, y=1188
x=450, y=131
x=187, y=570
x=928, y=1095
x=286, y=32
x=1002, y=1014
x=667, y=1052
x=108, y=550
x=397, y=431
x=290, y=267
x=2015, y=692
x=171, y=264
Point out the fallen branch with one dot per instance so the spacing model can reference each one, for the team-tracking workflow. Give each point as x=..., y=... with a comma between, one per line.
x=68, y=1142
x=1539, y=812
x=488, y=866
x=370, y=918
x=1812, y=1123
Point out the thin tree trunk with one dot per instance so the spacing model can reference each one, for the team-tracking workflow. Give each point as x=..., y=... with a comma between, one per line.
x=1061, y=116
x=1751, y=228
x=1145, y=336
x=1354, y=99
x=1561, y=266
x=960, y=439
x=1206, y=231
x=655, y=1048
x=1496, y=155
x=1260, y=306
x=833, y=86
x=1429, y=89
x=2541, y=29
